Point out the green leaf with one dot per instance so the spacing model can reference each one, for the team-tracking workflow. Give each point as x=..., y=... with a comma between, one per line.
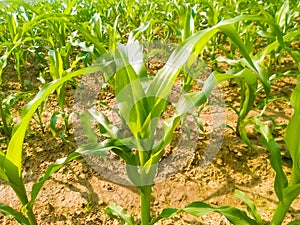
x=12, y=24
x=165, y=214
x=130, y=95
x=234, y=215
x=293, y=143
x=250, y=205
x=49, y=171
x=235, y=38
x=169, y=126
x=188, y=29
x=3, y=175
x=106, y=127
x=134, y=55
x=260, y=56
x=282, y=14
x=248, y=91
x=198, y=209
x=53, y=121
x=121, y=147
x=97, y=27
x=8, y=211
x=276, y=162
x=164, y=80
x=291, y=192
x=230, y=31
x=116, y=211
x=15, y=180
x=291, y=138
x=14, y=150
x=296, y=222
x=11, y=47
x=86, y=120
x=71, y=4
x=56, y=64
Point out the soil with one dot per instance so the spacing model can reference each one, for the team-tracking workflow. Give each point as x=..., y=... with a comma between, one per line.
x=78, y=195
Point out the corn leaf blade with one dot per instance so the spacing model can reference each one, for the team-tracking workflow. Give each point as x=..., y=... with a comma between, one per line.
x=250, y=205
x=48, y=173
x=234, y=215
x=8, y=211
x=268, y=141
x=116, y=211
x=14, y=150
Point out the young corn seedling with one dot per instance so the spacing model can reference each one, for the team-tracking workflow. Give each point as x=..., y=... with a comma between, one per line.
x=141, y=103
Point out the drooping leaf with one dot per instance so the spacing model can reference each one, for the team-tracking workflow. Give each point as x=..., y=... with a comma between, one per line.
x=8, y=211
x=165, y=214
x=48, y=173
x=14, y=150
x=250, y=205
x=121, y=147
x=134, y=33
x=234, y=215
x=116, y=211
x=106, y=127
x=87, y=120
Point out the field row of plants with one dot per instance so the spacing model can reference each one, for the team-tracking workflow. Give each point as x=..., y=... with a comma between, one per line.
x=250, y=44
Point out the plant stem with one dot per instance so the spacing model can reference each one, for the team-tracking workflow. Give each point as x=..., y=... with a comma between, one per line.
x=31, y=217
x=3, y=117
x=145, y=200
x=39, y=121
x=19, y=190
x=289, y=194
x=280, y=212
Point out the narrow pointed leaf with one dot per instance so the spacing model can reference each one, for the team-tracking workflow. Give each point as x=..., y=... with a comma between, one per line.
x=234, y=215
x=116, y=211
x=165, y=214
x=8, y=211
x=250, y=205
x=106, y=127
x=48, y=173
x=14, y=150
